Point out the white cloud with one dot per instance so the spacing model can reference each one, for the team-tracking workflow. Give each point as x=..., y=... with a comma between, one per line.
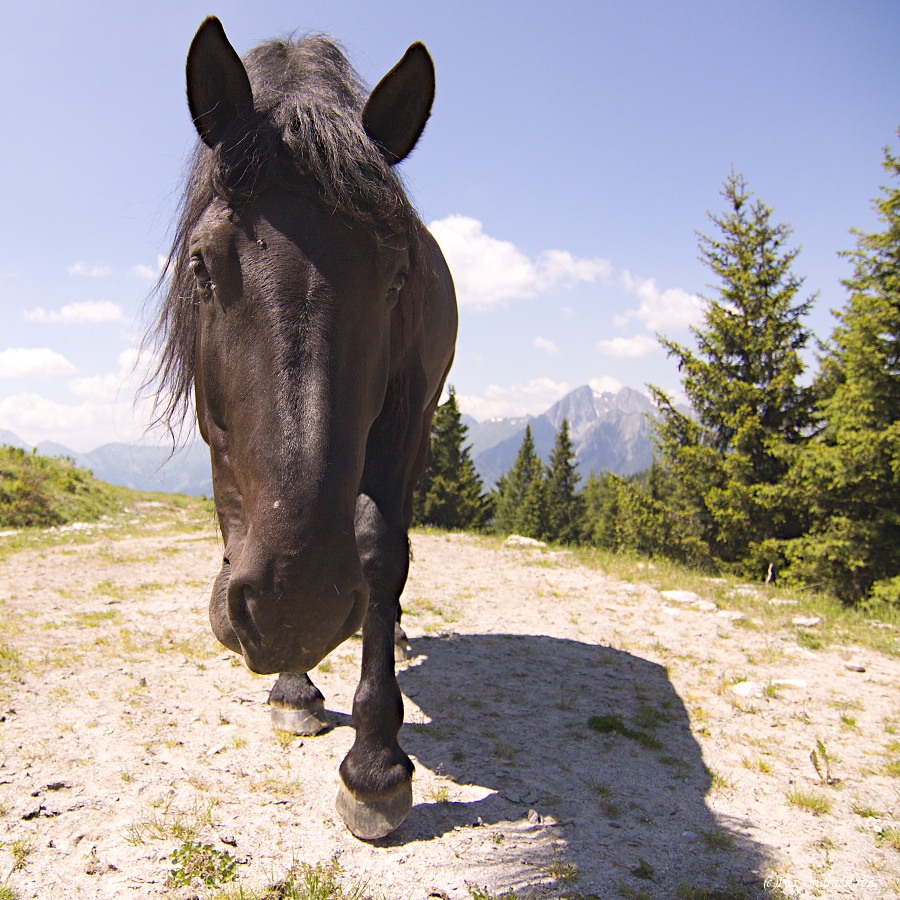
x=628, y=348
x=528, y=398
x=489, y=272
x=546, y=345
x=86, y=271
x=606, y=384
x=105, y=410
x=19, y=362
x=660, y=310
x=92, y=311
x=142, y=270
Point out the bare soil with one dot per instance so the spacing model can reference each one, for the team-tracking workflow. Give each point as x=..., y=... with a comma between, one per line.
x=573, y=735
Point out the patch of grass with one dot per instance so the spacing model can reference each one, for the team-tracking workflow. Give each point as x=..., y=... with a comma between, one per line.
x=891, y=837
x=812, y=802
x=39, y=492
x=756, y=764
x=439, y=794
x=20, y=849
x=562, y=872
x=283, y=738
x=630, y=893
x=718, y=782
x=718, y=839
x=95, y=619
x=613, y=724
x=172, y=823
x=866, y=812
x=822, y=761
x=479, y=893
x=734, y=890
x=203, y=863
x=302, y=882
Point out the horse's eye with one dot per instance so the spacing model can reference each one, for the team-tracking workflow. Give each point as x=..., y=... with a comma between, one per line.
x=397, y=285
x=205, y=286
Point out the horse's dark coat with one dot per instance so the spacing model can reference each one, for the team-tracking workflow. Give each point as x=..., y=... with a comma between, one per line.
x=314, y=317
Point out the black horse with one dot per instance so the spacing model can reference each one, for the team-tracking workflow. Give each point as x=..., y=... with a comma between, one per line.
x=314, y=317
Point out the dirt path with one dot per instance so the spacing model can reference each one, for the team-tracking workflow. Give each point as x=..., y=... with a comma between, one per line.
x=573, y=735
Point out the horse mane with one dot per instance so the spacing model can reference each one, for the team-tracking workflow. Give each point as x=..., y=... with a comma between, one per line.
x=308, y=102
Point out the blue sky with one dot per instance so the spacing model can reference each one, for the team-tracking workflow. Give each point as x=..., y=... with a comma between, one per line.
x=572, y=155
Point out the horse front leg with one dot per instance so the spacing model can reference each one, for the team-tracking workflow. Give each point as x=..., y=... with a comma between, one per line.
x=375, y=794
x=297, y=706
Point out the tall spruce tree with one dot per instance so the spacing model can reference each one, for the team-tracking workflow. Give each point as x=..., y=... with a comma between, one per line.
x=726, y=466
x=520, y=503
x=851, y=471
x=450, y=493
x=565, y=508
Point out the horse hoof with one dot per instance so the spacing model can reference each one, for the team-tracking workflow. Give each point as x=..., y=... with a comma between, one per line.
x=302, y=722
x=370, y=821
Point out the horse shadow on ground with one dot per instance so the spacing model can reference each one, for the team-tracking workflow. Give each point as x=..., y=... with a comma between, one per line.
x=595, y=742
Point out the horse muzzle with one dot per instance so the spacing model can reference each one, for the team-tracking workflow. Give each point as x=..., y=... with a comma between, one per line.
x=286, y=624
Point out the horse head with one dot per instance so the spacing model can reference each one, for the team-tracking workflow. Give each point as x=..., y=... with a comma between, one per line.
x=299, y=257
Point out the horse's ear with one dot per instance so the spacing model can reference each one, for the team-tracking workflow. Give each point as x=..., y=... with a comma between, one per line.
x=397, y=110
x=218, y=89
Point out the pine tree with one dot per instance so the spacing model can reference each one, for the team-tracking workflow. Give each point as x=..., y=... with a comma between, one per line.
x=851, y=471
x=726, y=467
x=565, y=508
x=450, y=494
x=520, y=504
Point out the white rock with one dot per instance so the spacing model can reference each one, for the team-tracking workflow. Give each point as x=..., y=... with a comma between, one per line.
x=518, y=541
x=747, y=689
x=681, y=596
x=704, y=605
x=731, y=615
x=776, y=602
x=806, y=621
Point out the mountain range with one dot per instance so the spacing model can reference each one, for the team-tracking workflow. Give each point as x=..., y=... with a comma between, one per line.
x=608, y=430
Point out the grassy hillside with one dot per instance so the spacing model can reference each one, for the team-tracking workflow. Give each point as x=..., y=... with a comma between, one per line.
x=40, y=491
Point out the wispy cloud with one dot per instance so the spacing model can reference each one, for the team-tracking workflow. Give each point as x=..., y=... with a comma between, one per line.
x=18, y=362
x=84, y=270
x=151, y=273
x=546, y=345
x=489, y=272
x=527, y=398
x=628, y=348
x=90, y=311
x=659, y=310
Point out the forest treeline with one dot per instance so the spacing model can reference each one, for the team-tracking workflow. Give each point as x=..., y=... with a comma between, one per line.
x=775, y=475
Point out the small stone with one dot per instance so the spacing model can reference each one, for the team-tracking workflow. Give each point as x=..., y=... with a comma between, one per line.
x=534, y=817
x=855, y=667
x=776, y=602
x=229, y=839
x=806, y=621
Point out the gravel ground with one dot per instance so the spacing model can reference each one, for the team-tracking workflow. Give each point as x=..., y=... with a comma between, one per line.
x=573, y=735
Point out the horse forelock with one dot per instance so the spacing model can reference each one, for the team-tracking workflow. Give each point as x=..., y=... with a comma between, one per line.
x=308, y=128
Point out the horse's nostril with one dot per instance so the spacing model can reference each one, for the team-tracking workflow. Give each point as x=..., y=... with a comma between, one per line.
x=241, y=618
